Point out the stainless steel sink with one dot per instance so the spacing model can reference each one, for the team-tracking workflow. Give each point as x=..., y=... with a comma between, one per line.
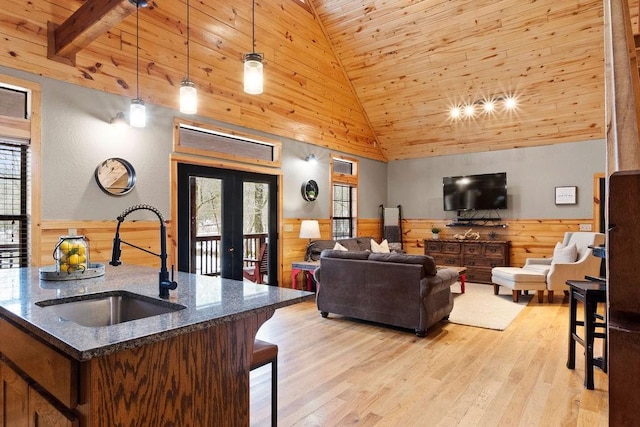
x=108, y=308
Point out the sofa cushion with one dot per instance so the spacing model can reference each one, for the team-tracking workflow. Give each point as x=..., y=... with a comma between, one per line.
x=427, y=262
x=381, y=248
x=330, y=253
x=339, y=247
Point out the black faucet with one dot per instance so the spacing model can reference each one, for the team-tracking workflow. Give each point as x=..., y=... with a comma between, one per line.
x=165, y=283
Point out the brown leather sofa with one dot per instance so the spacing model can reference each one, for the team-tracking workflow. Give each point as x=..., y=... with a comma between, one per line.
x=401, y=290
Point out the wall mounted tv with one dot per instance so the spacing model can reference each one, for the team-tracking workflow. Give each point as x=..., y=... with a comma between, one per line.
x=475, y=192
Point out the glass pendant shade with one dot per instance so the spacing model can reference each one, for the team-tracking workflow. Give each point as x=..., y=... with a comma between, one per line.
x=137, y=114
x=253, y=73
x=188, y=97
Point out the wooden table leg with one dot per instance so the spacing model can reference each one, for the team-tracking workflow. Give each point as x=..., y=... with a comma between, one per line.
x=573, y=304
x=589, y=314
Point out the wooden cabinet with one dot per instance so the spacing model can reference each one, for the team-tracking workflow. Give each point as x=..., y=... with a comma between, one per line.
x=24, y=404
x=478, y=256
x=174, y=381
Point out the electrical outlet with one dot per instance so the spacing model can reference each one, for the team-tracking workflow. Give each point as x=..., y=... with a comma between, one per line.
x=72, y=232
x=288, y=227
x=585, y=227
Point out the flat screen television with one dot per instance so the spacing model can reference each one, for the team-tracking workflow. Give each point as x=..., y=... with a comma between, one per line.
x=475, y=192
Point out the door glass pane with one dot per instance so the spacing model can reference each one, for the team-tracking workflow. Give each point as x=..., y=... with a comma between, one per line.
x=207, y=226
x=255, y=227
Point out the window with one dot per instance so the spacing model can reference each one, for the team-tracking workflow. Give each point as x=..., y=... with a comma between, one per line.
x=344, y=200
x=15, y=180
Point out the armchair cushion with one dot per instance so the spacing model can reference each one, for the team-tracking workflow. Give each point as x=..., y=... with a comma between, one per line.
x=564, y=254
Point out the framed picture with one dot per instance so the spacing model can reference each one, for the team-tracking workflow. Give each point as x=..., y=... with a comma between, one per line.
x=566, y=195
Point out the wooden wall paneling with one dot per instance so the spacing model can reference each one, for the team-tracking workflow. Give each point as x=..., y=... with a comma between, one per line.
x=108, y=64
x=529, y=238
x=100, y=234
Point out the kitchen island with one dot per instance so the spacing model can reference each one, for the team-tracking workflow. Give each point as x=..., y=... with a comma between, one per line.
x=189, y=367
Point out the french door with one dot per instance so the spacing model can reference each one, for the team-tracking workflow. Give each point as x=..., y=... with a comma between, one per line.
x=224, y=217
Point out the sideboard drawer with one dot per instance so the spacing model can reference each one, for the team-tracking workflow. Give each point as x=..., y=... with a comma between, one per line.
x=444, y=259
x=431, y=246
x=451, y=248
x=495, y=251
x=479, y=275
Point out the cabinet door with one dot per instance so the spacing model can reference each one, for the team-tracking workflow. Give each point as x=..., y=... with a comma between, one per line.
x=14, y=396
x=42, y=413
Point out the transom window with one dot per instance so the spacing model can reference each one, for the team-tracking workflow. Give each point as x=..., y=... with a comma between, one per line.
x=344, y=200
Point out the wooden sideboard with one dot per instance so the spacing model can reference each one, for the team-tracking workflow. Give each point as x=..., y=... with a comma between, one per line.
x=478, y=256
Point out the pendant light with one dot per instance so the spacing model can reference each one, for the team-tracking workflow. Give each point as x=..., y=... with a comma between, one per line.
x=253, y=62
x=188, y=92
x=137, y=114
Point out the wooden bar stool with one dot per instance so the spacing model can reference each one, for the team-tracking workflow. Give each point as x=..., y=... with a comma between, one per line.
x=264, y=352
x=590, y=294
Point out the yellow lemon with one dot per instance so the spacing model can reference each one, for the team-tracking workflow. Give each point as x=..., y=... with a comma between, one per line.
x=64, y=246
x=74, y=259
x=81, y=258
x=81, y=249
x=64, y=267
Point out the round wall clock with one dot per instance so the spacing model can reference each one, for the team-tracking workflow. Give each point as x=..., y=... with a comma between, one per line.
x=310, y=190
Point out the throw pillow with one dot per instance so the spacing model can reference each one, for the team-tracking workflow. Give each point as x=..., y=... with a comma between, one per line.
x=339, y=247
x=564, y=254
x=382, y=248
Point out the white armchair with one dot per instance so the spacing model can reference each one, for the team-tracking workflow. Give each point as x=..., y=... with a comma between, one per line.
x=558, y=273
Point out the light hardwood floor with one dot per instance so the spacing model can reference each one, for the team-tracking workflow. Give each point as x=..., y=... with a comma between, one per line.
x=337, y=372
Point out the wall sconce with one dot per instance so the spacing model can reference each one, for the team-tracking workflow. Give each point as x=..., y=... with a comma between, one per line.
x=119, y=120
x=311, y=158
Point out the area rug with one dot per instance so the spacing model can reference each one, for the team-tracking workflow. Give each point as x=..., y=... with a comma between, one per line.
x=479, y=307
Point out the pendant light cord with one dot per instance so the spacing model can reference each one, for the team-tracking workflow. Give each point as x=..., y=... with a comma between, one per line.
x=188, y=41
x=137, y=50
x=253, y=27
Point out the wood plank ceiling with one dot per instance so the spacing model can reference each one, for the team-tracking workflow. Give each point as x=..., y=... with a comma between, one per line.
x=373, y=78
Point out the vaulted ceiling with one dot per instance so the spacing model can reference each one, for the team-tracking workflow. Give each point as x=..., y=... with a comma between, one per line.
x=373, y=78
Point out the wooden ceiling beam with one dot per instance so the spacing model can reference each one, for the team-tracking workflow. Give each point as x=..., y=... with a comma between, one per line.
x=93, y=19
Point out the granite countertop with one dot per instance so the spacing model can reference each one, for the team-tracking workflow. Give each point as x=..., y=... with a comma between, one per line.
x=208, y=301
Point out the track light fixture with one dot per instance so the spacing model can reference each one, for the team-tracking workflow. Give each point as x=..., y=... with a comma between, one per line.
x=253, y=72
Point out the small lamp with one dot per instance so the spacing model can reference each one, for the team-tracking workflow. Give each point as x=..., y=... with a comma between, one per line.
x=309, y=229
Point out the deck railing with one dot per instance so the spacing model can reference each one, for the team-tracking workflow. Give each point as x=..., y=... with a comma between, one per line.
x=208, y=251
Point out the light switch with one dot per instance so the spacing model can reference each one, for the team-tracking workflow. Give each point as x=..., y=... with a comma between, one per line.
x=585, y=227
